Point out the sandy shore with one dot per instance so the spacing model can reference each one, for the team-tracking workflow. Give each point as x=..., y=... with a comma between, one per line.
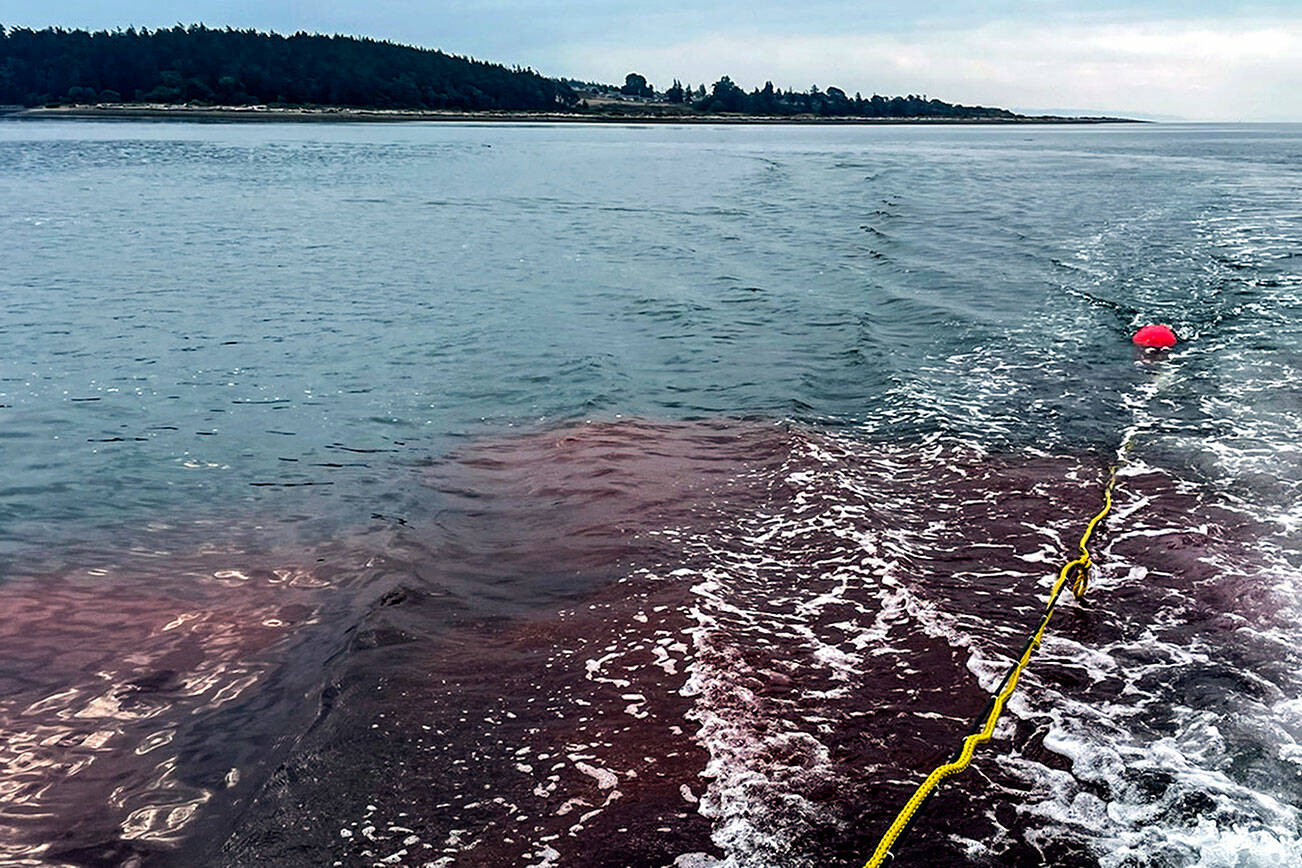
x=334, y=113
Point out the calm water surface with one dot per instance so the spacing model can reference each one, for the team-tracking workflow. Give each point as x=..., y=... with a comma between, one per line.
x=595, y=495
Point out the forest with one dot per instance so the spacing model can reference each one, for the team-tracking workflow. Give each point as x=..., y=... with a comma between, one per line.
x=725, y=96
x=233, y=67
x=201, y=65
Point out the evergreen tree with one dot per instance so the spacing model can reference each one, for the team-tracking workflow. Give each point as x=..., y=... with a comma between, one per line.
x=636, y=85
x=726, y=97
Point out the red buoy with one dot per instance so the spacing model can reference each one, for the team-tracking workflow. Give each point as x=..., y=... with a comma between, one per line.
x=1155, y=336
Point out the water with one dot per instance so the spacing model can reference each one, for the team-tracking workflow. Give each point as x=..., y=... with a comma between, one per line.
x=549, y=495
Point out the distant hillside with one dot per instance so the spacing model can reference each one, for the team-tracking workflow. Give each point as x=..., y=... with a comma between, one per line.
x=201, y=64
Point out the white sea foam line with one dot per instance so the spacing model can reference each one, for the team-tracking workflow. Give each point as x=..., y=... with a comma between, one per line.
x=747, y=832
x=1212, y=843
x=987, y=669
x=1197, y=771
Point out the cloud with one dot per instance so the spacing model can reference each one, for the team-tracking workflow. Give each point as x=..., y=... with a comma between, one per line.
x=1210, y=69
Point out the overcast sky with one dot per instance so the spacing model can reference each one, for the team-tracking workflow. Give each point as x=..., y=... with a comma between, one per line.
x=1199, y=59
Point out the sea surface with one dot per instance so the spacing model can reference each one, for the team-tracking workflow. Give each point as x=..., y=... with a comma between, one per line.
x=567, y=495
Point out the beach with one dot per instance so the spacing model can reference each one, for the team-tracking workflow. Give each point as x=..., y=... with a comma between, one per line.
x=608, y=114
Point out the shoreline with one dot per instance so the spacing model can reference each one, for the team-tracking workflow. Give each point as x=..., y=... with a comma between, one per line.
x=327, y=114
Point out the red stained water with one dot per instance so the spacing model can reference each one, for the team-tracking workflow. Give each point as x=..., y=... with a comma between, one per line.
x=124, y=698
x=694, y=688
x=611, y=644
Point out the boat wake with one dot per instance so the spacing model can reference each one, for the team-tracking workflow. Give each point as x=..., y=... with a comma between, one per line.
x=719, y=643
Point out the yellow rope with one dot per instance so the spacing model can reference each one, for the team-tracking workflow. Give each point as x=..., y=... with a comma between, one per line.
x=1080, y=566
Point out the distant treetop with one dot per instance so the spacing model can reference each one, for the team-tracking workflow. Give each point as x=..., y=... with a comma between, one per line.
x=635, y=85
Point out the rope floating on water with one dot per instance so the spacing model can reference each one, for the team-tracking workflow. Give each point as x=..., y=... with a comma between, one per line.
x=1074, y=573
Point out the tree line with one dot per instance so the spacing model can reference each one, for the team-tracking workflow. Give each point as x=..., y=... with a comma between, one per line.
x=210, y=66
x=726, y=96
x=226, y=66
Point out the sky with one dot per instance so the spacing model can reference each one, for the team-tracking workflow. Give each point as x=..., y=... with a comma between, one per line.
x=1194, y=60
